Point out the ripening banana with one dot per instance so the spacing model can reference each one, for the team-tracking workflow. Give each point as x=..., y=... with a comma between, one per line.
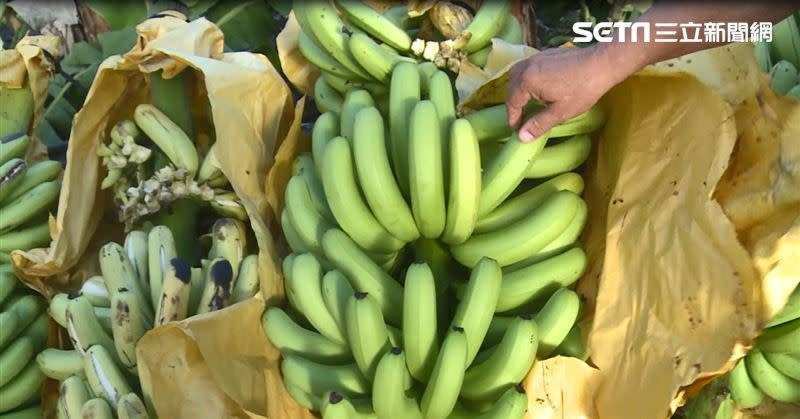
x=326, y=127
x=573, y=345
x=375, y=24
x=14, y=357
x=73, y=394
x=247, y=284
x=420, y=327
x=306, y=285
x=127, y=326
x=229, y=241
x=465, y=183
x=556, y=319
x=521, y=239
x=508, y=365
x=104, y=377
x=13, y=145
x=84, y=328
x=216, y=286
x=59, y=364
x=518, y=206
x=97, y=408
x=366, y=332
x=375, y=175
x=168, y=136
x=326, y=98
x=389, y=397
x=364, y=275
x=130, y=406
x=528, y=284
x=25, y=238
x=560, y=158
x=173, y=304
x=118, y=272
x=351, y=212
x=12, y=173
x=136, y=248
x=29, y=205
x=316, y=378
x=319, y=57
x=404, y=94
x=783, y=338
x=444, y=386
x=291, y=338
x=22, y=388
x=772, y=382
x=426, y=176
x=160, y=251
x=374, y=58
x=475, y=310
x=41, y=172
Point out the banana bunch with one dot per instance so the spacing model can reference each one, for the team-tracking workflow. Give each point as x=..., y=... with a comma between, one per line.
x=143, y=284
x=781, y=57
x=140, y=189
x=27, y=193
x=772, y=368
x=24, y=328
x=387, y=213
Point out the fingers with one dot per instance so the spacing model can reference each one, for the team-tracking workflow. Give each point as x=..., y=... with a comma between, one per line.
x=516, y=100
x=538, y=124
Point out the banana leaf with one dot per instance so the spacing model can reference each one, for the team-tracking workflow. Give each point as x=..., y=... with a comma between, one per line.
x=248, y=24
x=120, y=14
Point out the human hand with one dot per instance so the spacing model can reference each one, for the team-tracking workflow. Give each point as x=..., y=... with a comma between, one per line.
x=568, y=80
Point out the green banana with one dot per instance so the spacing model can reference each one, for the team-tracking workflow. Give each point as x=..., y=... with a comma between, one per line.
x=465, y=183
x=474, y=312
x=524, y=237
x=763, y=56
x=487, y=23
x=440, y=93
x=573, y=345
x=24, y=386
x=26, y=309
x=783, y=338
x=104, y=377
x=43, y=171
x=389, y=397
x=173, y=304
x=508, y=365
x=497, y=328
x=556, y=318
x=788, y=364
x=560, y=158
x=354, y=101
x=306, y=285
x=118, y=272
x=247, y=284
x=566, y=240
x=789, y=311
x=326, y=127
x=316, y=378
x=538, y=280
x=209, y=171
x=136, y=248
x=399, y=16
x=336, y=406
x=160, y=251
x=375, y=24
x=345, y=86
x=794, y=92
x=442, y=391
x=286, y=268
x=34, y=412
x=8, y=282
x=59, y=364
x=97, y=408
x=216, y=286
x=366, y=332
x=784, y=77
x=347, y=205
x=404, y=94
x=305, y=167
x=518, y=206
x=303, y=216
x=364, y=275
x=426, y=176
x=420, y=327
x=336, y=291
x=13, y=145
x=9, y=325
x=375, y=59
x=18, y=108
x=29, y=205
x=326, y=98
x=57, y=309
x=319, y=57
x=14, y=358
x=291, y=338
x=491, y=123
x=771, y=381
x=127, y=326
x=785, y=43
x=25, y=238
x=168, y=136
x=375, y=175
x=73, y=394
x=290, y=234
x=511, y=33
x=130, y=406
x=307, y=400
x=84, y=328
x=512, y=405
x=229, y=241
x=12, y=173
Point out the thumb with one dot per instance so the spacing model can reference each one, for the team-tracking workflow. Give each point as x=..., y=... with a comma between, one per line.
x=538, y=124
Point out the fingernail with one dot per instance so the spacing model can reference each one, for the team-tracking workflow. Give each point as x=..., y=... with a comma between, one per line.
x=525, y=136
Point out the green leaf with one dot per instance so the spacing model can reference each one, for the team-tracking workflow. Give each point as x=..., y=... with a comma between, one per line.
x=282, y=6
x=116, y=42
x=81, y=55
x=200, y=7
x=47, y=134
x=120, y=14
x=248, y=25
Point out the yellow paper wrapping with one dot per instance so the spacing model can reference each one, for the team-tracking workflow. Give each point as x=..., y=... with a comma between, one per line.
x=219, y=364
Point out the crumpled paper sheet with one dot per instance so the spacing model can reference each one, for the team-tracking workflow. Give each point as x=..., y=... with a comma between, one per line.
x=678, y=286
x=224, y=354
x=297, y=68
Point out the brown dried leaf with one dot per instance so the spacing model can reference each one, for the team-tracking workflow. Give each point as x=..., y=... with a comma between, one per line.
x=450, y=19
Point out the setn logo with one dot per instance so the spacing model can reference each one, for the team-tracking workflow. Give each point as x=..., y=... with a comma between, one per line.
x=604, y=32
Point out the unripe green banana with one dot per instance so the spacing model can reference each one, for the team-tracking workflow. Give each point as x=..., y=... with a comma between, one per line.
x=168, y=136
x=217, y=286
x=399, y=16
x=474, y=312
x=31, y=237
x=291, y=338
x=326, y=98
x=227, y=204
x=404, y=93
x=783, y=338
x=375, y=24
x=247, y=284
x=517, y=207
x=784, y=77
x=73, y=394
x=392, y=379
x=13, y=145
x=118, y=272
x=12, y=173
x=528, y=284
x=43, y=171
x=130, y=406
x=306, y=285
x=512, y=405
x=316, y=378
x=305, y=167
x=426, y=176
x=560, y=158
x=375, y=59
x=363, y=274
x=160, y=251
x=97, y=408
x=104, y=377
x=136, y=249
x=57, y=309
x=309, y=223
x=127, y=326
x=26, y=309
x=347, y=205
x=209, y=170
x=573, y=345
x=34, y=412
x=310, y=401
x=173, y=305
x=788, y=364
x=9, y=324
x=508, y=365
x=420, y=326
x=24, y=386
x=291, y=235
x=763, y=56
x=59, y=364
x=8, y=282
x=83, y=326
x=789, y=311
x=487, y=23
x=524, y=237
x=19, y=106
x=442, y=391
x=94, y=289
x=490, y=123
x=336, y=406
x=465, y=183
x=794, y=92
x=566, y=240
x=556, y=319
x=326, y=127
x=375, y=175
x=29, y=205
x=229, y=241
x=336, y=291
x=345, y=86
x=366, y=332
x=14, y=357
x=354, y=101
x=440, y=93
x=771, y=381
x=320, y=58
